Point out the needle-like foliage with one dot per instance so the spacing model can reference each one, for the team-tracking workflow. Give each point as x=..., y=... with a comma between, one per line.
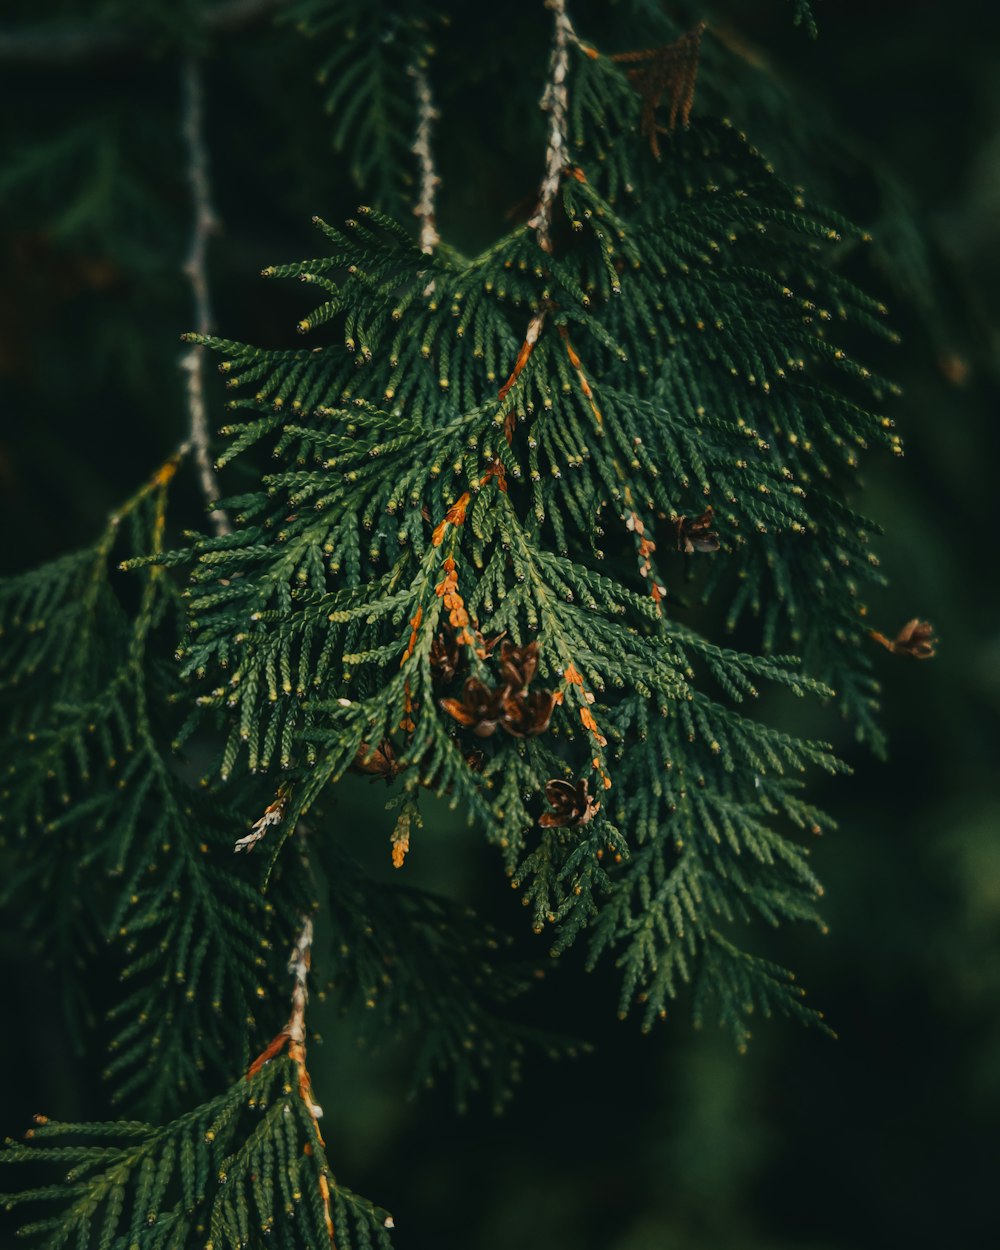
x=246, y=1169
x=519, y=446
x=511, y=500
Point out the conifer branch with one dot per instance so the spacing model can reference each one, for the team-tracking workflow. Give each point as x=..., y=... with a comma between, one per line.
x=427, y=114
x=452, y=582
x=294, y=1035
x=195, y=268
x=555, y=101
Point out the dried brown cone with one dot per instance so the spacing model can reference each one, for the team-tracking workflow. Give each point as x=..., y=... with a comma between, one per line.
x=522, y=713
x=571, y=805
x=479, y=708
x=487, y=646
x=696, y=533
x=376, y=762
x=518, y=664
x=445, y=657
x=916, y=639
x=527, y=714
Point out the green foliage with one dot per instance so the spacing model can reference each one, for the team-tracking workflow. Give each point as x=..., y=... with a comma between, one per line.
x=246, y=1169
x=512, y=497
x=687, y=353
x=804, y=16
x=93, y=786
x=413, y=965
x=369, y=53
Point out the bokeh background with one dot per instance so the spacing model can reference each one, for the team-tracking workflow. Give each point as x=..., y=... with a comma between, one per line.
x=885, y=1137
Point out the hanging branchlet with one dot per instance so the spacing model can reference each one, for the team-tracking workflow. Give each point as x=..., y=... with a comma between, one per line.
x=205, y=224
x=672, y=71
x=585, y=386
x=454, y=517
x=916, y=639
x=645, y=550
x=293, y=1035
x=523, y=356
x=575, y=685
x=451, y=599
x=429, y=181
x=246, y=1168
x=236, y=1170
x=407, y=820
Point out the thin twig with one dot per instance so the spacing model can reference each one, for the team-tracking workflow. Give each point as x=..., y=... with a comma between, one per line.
x=274, y=813
x=427, y=114
x=69, y=45
x=523, y=356
x=205, y=224
x=293, y=1035
x=298, y=965
x=555, y=101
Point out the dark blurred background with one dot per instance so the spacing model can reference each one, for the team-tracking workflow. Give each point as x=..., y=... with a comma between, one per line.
x=885, y=1137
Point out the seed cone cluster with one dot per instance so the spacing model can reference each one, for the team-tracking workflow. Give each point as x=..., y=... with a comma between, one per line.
x=511, y=706
x=571, y=805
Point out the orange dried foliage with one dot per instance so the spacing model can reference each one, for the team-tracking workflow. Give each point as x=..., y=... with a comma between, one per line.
x=671, y=70
x=454, y=516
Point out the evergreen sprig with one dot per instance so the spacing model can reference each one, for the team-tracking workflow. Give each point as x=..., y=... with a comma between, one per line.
x=511, y=497
x=366, y=55
x=248, y=1168
x=475, y=459
x=412, y=965
x=95, y=786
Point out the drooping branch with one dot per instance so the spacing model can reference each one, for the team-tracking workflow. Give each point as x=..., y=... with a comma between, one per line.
x=195, y=268
x=427, y=114
x=71, y=45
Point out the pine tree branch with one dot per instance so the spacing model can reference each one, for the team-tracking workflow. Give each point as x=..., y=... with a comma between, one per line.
x=73, y=45
x=195, y=268
x=427, y=114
